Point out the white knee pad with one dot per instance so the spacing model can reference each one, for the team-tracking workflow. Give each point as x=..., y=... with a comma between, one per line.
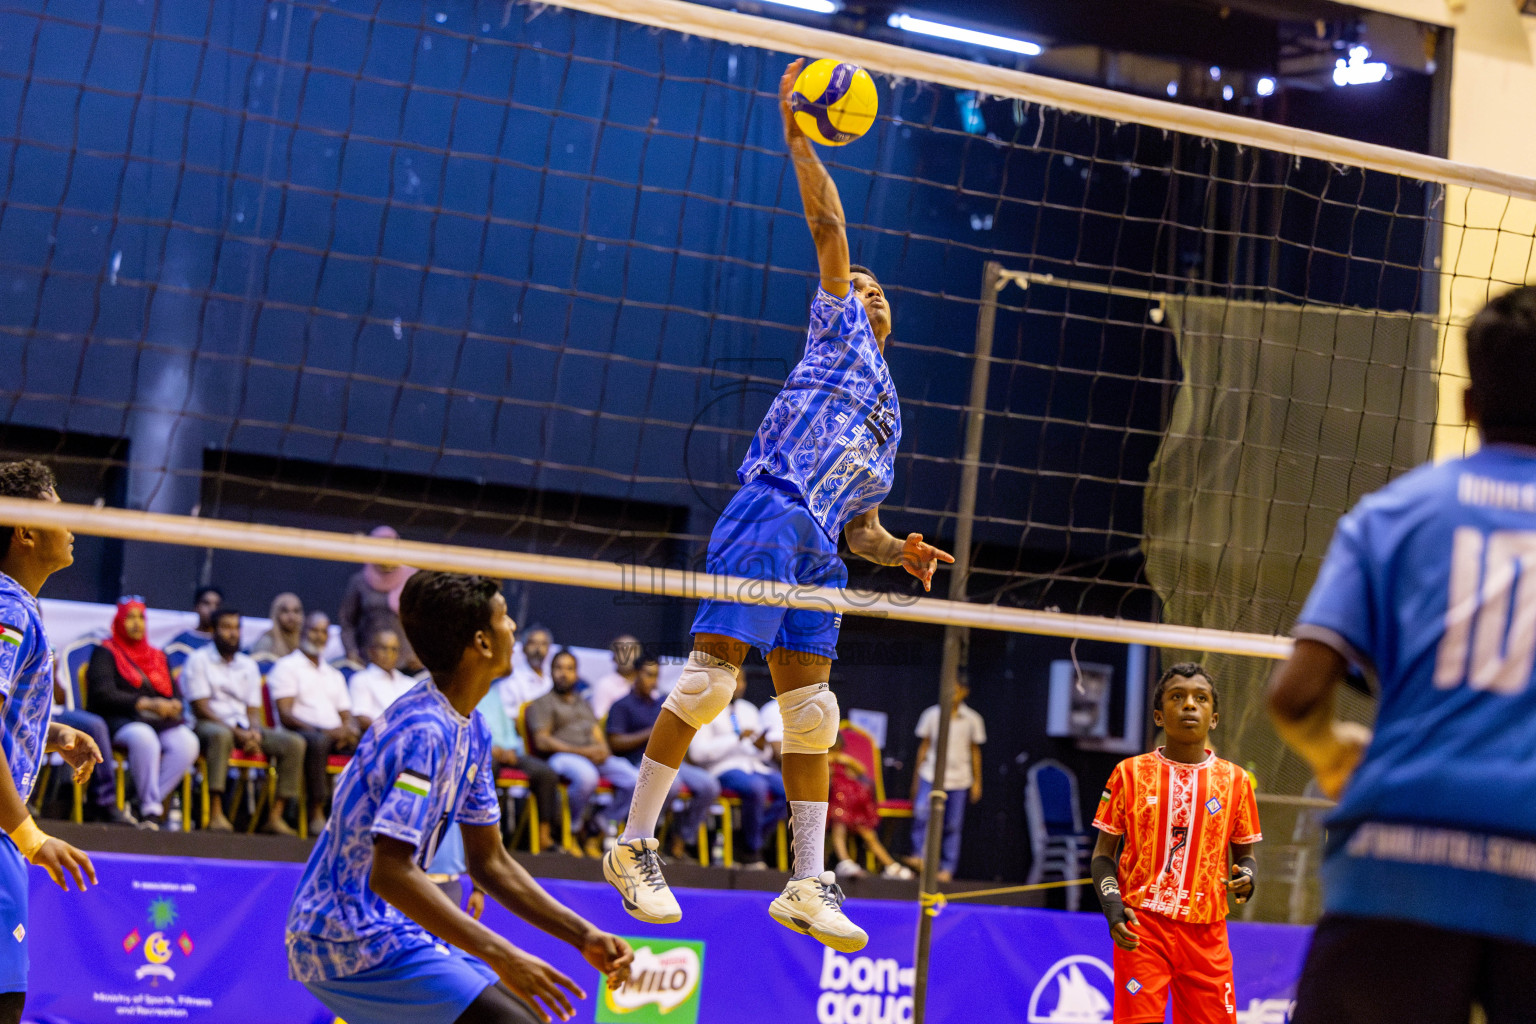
x=810, y=719
x=703, y=690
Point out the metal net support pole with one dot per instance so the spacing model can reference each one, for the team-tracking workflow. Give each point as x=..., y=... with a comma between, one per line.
x=955, y=637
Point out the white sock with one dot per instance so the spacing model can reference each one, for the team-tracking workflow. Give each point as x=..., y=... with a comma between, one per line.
x=650, y=797
x=808, y=821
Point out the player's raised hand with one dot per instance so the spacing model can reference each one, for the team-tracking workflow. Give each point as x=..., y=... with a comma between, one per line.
x=78, y=750
x=1121, y=932
x=786, y=86
x=1345, y=748
x=63, y=862
x=1240, y=885
x=609, y=954
x=921, y=559
x=538, y=983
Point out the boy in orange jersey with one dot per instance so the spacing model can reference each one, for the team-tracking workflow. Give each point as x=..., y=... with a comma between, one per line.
x=1180, y=809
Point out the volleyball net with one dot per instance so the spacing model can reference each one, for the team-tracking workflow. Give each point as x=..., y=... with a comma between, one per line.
x=522, y=280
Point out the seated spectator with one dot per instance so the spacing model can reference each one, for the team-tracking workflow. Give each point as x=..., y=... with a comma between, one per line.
x=100, y=802
x=371, y=603
x=130, y=685
x=205, y=602
x=312, y=700
x=507, y=752
x=224, y=687
x=614, y=686
x=629, y=726
x=731, y=749
x=562, y=728
x=961, y=777
x=853, y=807
x=376, y=686
x=287, y=615
x=530, y=681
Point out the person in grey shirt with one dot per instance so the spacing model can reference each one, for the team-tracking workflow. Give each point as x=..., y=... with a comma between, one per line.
x=563, y=730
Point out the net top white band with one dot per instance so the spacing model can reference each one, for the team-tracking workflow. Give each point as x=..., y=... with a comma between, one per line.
x=192, y=531
x=900, y=62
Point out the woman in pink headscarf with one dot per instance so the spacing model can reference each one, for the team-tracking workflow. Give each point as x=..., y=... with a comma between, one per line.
x=372, y=603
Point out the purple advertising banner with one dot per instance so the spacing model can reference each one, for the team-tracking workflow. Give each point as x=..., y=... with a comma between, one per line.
x=201, y=941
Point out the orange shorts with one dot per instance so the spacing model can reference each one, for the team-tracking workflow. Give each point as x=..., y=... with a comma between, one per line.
x=1195, y=958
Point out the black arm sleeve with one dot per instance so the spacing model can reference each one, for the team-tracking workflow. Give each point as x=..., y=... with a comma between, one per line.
x=1250, y=867
x=1108, y=888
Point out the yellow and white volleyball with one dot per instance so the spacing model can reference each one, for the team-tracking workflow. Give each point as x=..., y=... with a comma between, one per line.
x=834, y=103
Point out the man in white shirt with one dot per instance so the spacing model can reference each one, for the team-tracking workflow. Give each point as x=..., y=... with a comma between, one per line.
x=962, y=777
x=731, y=748
x=772, y=720
x=616, y=685
x=376, y=686
x=224, y=688
x=531, y=681
x=312, y=700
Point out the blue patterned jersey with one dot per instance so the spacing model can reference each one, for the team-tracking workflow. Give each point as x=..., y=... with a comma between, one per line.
x=26, y=684
x=1431, y=583
x=420, y=767
x=831, y=434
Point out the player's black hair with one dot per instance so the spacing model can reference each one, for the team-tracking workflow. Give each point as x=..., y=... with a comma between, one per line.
x=197, y=595
x=223, y=613
x=1501, y=361
x=25, y=479
x=1184, y=670
x=441, y=612
x=644, y=661
x=859, y=268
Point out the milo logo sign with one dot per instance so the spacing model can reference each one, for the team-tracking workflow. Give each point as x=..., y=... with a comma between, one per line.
x=663, y=986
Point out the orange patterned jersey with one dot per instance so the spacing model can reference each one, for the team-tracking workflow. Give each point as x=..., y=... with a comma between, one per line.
x=1178, y=820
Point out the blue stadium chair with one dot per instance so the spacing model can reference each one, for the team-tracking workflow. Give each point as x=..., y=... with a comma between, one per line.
x=1057, y=842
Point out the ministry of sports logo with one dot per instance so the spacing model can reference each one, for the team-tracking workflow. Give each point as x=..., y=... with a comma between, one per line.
x=664, y=985
x=1078, y=989
x=157, y=947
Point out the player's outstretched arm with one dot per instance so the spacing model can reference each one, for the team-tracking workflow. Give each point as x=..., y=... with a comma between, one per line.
x=395, y=876
x=1121, y=917
x=1301, y=702
x=818, y=194
x=874, y=543
x=493, y=869
x=55, y=856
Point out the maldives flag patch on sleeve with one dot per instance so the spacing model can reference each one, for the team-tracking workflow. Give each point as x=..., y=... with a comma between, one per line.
x=413, y=784
x=10, y=635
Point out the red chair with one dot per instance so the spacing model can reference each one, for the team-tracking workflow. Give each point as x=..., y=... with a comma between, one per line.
x=860, y=746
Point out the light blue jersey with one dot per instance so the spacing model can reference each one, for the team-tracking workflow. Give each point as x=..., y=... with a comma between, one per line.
x=26, y=683
x=420, y=767
x=1431, y=583
x=831, y=433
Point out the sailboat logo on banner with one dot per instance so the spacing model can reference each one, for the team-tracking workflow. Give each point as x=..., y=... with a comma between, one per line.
x=1076, y=990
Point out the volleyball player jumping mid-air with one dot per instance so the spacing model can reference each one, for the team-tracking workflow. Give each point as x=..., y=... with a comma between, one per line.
x=819, y=466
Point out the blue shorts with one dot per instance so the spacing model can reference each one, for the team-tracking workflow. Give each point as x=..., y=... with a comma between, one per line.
x=425, y=985
x=13, y=918
x=765, y=533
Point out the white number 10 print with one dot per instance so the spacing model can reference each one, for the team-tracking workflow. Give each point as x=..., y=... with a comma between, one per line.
x=1494, y=621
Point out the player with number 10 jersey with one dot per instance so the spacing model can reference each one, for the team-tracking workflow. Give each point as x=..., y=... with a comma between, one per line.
x=1429, y=875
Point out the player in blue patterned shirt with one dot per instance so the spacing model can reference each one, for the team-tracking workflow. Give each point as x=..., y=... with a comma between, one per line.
x=819, y=466
x=368, y=930
x=1429, y=877
x=28, y=556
